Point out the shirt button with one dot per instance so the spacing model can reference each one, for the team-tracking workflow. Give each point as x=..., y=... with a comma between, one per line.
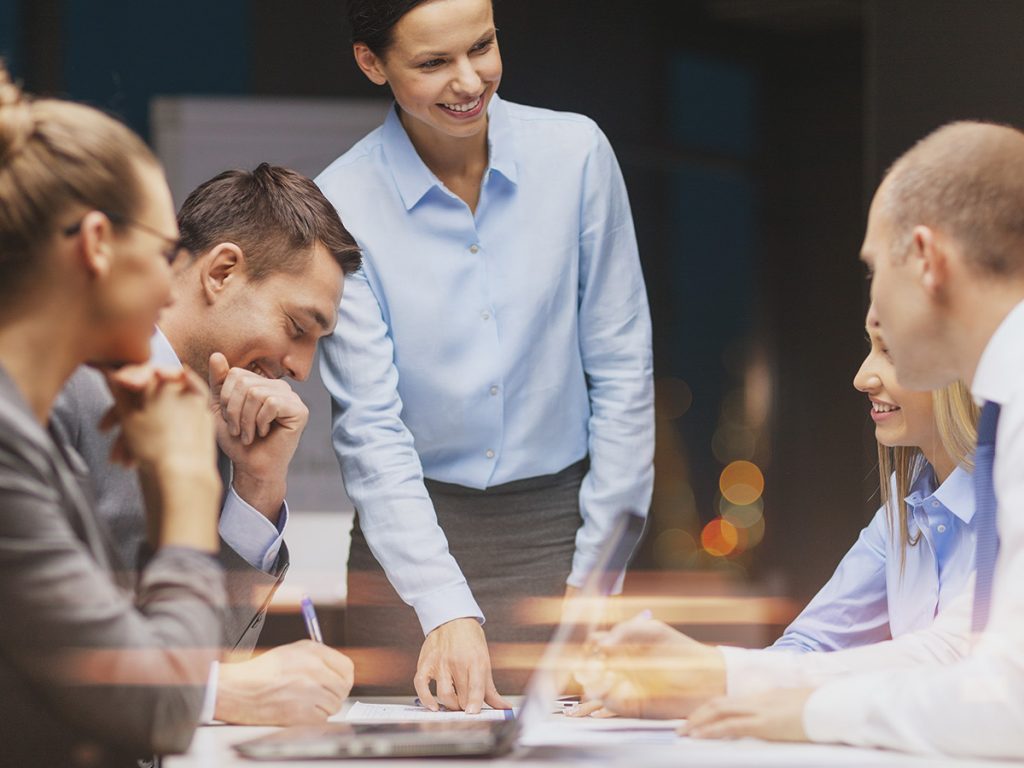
x=485, y=315
x=494, y=390
x=474, y=248
x=935, y=504
x=490, y=454
x=940, y=528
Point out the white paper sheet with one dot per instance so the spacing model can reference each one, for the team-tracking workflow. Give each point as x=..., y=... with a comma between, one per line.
x=587, y=731
x=363, y=712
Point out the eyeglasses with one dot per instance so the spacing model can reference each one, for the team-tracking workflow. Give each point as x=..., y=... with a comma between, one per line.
x=175, y=250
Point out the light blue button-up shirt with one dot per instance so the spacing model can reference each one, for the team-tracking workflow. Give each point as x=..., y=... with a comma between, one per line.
x=483, y=348
x=868, y=600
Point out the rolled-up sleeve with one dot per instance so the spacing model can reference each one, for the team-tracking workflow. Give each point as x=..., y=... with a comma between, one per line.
x=382, y=472
x=615, y=344
x=130, y=672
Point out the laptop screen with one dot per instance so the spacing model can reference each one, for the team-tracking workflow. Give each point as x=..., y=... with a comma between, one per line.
x=580, y=619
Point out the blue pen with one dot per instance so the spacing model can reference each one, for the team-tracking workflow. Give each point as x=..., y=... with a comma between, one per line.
x=309, y=616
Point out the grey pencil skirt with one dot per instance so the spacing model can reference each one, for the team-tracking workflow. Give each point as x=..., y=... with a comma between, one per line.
x=513, y=542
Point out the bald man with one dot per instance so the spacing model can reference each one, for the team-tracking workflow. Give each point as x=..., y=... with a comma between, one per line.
x=945, y=245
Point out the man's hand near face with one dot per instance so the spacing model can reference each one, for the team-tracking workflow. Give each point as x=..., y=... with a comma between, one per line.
x=455, y=657
x=259, y=424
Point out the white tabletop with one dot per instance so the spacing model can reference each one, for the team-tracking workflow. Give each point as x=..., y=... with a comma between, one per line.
x=212, y=746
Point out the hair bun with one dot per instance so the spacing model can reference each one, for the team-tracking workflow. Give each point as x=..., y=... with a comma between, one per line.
x=16, y=121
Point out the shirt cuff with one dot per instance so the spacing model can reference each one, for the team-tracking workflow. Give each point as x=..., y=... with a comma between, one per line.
x=750, y=671
x=256, y=539
x=581, y=572
x=836, y=713
x=446, y=605
x=210, y=696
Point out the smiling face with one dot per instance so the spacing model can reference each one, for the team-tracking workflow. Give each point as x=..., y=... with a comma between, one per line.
x=270, y=326
x=138, y=285
x=443, y=67
x=902, y=417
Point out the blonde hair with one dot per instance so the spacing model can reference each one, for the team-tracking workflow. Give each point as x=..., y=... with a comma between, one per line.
x=53, y=155
x=956, y=421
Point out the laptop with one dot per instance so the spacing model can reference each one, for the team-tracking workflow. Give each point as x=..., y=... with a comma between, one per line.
x=463, y=738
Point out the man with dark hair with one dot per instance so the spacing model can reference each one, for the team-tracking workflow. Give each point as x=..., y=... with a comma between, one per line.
x=264, y=283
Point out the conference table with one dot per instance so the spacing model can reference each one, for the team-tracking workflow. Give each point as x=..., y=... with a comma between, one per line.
x=572, y=742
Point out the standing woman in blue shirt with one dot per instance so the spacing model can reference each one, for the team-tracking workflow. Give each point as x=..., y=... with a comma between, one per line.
x=501, y=323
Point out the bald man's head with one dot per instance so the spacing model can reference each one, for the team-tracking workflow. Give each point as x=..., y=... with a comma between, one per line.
x=965, y=179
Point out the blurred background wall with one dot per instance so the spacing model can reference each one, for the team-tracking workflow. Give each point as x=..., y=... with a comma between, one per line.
x=751, y=134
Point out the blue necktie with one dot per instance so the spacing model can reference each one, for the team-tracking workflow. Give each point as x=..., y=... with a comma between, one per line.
x=985, y=515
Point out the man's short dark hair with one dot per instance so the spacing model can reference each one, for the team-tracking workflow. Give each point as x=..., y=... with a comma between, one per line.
x=273, y=214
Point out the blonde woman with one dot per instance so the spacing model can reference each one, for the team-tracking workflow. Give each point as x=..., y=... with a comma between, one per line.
x=915, y=556
x=92, y=672
x=908, y=566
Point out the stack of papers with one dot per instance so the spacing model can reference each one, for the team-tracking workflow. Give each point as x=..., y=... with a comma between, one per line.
x=361, y=712
x=561, y=730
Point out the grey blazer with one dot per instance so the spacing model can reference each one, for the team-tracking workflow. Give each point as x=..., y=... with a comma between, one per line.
x=86, y=666
x=81, y=405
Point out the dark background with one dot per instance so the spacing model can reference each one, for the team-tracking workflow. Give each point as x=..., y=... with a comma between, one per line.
x=751, y=134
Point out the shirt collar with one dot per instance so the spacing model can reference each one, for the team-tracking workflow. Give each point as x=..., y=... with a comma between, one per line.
x=411, y=174
x=1002, y=362
x=17, y=410
x=956, y=494
x=18, y=414
x=161, y=352
x=501, y=141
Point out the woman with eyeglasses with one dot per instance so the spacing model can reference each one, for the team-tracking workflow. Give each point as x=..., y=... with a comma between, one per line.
x=92, y=672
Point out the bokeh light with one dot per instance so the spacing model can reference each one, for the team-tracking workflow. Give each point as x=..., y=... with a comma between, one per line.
x=741, y=483
x=741, y=515
x=731, y=443
x=673, y=397
x=719, y=537
x=750, y=536
x=674, y=548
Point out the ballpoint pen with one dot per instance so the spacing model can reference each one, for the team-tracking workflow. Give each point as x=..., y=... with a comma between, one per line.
x=309, y=616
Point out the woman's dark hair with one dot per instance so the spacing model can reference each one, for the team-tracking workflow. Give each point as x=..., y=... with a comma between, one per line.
x=373, y=21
